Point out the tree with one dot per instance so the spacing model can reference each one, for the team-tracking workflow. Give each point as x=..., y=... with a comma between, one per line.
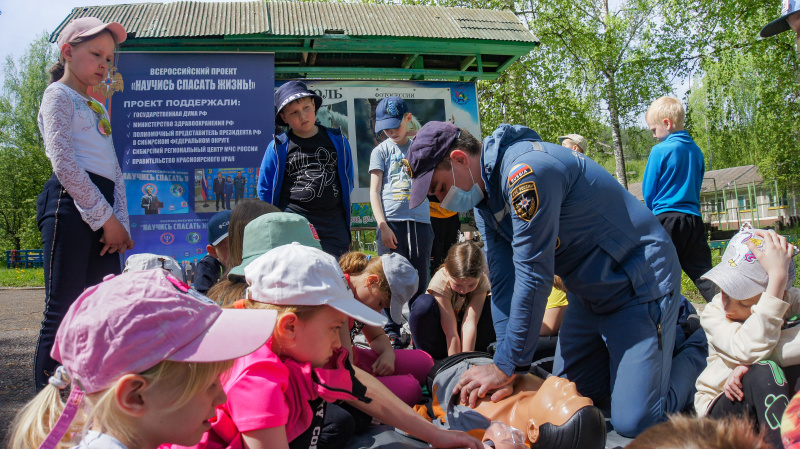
x=23, y=163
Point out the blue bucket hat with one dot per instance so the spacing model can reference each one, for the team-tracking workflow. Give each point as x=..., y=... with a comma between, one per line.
x=389, y=113
x=779, y=25
x=289, y=92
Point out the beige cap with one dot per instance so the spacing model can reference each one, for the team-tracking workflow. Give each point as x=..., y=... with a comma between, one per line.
x=577, y=138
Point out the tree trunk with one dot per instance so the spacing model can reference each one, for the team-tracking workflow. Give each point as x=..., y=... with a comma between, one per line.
x=616, y=136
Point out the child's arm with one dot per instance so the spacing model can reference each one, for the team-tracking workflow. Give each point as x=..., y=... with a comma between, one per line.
x=469, y=327
x=733, y=386
x=787, y=350
x=748, y=342
x=389, y=409
x=267, y=173
x=375, y=187
x=447, y=317
x=270, y=438
x=121, y=207
x=380, y=343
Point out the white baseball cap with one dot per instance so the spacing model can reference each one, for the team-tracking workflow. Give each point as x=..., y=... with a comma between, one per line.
x=148, y=261
x=298, y=275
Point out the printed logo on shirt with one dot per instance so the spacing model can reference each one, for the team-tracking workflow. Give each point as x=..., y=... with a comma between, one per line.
x=518, y=172
x=313, y=231
x=525, y=199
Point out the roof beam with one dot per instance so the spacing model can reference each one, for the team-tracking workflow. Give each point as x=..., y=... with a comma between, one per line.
x=408, y=60
x=467, y=62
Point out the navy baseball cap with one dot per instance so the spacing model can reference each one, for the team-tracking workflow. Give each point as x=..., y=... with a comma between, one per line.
x=218, y=227
x=431, y=144
x=389, y=113
x=289, y=92
x=779, y=25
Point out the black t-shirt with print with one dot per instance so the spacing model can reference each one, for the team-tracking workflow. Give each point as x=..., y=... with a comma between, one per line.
x=311, y=186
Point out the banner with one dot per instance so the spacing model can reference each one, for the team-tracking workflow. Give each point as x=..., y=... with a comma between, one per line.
x=190, y=130
x=350, y=105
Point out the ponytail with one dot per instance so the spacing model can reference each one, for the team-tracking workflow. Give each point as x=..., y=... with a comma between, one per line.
x=57, y=70
x=355, y=262
x=464, y=261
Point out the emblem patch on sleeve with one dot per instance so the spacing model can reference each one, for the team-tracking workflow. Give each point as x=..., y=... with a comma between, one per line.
x=518, y=172
x=525, y=199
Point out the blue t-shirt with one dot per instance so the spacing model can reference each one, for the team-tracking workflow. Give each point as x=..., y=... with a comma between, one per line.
x=387, y=157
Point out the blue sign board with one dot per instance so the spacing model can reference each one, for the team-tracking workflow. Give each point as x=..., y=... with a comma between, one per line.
x=178, y=120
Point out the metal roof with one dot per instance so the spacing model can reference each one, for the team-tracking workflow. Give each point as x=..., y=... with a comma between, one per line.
x=724, y=178
x=194, y=19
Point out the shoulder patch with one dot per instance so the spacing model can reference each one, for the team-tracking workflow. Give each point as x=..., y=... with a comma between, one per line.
x=518, y=172
x=525, y=199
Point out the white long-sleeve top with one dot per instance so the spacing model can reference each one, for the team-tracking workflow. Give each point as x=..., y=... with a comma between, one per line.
x=759, y=337
x=75, y=146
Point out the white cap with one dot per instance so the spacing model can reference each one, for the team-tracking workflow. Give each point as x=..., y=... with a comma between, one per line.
x=147, y=261
x=298, y=275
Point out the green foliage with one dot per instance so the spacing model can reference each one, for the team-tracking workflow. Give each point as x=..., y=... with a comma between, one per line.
x=21, y=277
x=23, y=163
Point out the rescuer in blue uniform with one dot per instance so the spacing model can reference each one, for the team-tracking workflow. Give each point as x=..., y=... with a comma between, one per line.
x=544, y=209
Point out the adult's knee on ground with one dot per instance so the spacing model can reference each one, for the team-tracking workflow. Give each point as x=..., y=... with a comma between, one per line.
x=630, y=423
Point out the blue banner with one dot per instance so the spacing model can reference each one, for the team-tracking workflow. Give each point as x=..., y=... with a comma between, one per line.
x=179, y=120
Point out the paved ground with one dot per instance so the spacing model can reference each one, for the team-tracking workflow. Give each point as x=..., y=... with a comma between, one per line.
x=20, y=316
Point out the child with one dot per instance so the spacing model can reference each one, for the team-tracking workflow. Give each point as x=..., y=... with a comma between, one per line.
x=671, y=189
x=401, y=229
x=385, y=282
x=147, y=353
x=683, y=432
x=303, y=365
x=309, y=169
x=213, y=264
x=228, y=189
x=744, y=325
x=82, y=211
x=454, y=316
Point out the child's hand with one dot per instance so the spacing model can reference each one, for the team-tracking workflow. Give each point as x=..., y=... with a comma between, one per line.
x=384, y=364
x=115, y=236
x=775, y=259
x=733, y=386
x=454, y=438
x=387, y=236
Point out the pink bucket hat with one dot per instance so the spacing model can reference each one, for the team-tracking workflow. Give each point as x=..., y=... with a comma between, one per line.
x=89, y=26
x=131, y=322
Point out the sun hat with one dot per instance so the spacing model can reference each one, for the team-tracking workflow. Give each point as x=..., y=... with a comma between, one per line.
x=389, y=113
x=739, y=274
x=577, y=138
x=429, y=147
x=289, y=92
x=218, y=227
x=271, y=231
x=89, y=26
x=148, y=261
x=297, y=275
x=403, y=282
x=779, y=25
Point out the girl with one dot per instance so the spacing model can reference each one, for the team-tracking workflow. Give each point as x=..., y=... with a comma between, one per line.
x=454, y=316
x=82, y=211
x=140, y=391
x=382, y=282
x=303, y=365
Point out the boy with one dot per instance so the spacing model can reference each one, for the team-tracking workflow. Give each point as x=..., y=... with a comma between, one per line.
x=211, y=267
x=744, y=324
x=309, y=169
x=401, y=229
x=671, y=189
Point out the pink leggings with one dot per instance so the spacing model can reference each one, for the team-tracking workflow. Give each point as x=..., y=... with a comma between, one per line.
x=411, y=367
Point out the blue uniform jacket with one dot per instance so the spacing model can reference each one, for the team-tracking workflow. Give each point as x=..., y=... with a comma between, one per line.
x=551, y=210
x=673, y=176
x=273, y=166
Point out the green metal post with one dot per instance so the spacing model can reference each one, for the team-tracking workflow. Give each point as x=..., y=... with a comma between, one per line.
x=738, y=208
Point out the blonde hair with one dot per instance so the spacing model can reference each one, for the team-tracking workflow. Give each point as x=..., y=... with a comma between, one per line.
x=669, y=108
x=356, y=263
x=558, y=284
x=226, y=291
x=464, y=261
x=36, y=419
x=681, y=432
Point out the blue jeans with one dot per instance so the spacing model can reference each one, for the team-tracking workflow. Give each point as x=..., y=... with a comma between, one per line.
x=624, y=360
x=414, y=242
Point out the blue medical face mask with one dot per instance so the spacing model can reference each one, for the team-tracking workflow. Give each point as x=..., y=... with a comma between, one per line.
x=458, y=200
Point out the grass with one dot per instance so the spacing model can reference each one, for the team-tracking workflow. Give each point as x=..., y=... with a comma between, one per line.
x=21, y=277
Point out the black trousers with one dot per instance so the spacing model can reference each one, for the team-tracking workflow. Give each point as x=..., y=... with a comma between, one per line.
x=426, y=327
x=767, y=390
x=689, y=237
x=72, y=262
x=445, y=235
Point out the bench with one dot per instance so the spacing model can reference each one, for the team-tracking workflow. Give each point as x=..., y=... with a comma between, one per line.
x=24, y=258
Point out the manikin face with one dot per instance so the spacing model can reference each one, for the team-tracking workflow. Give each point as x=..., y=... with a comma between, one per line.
x=555, y=403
